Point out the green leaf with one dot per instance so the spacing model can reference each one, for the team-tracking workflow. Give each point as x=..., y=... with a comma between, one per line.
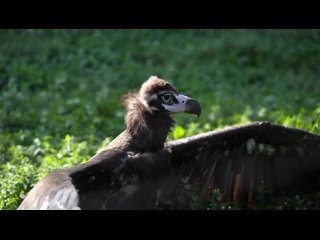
x=178, y=132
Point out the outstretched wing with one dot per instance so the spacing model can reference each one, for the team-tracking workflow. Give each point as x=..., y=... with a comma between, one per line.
x=112, y=179
x=54, y=192
x=240, y=160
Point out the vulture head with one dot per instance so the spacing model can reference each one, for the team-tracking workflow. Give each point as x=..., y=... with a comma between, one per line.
x=148, y=116
x=159, y=95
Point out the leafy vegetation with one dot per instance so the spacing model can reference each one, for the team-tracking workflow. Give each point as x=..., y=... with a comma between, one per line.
x=60, y=89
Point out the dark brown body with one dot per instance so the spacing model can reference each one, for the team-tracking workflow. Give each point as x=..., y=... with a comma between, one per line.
x=133, y=171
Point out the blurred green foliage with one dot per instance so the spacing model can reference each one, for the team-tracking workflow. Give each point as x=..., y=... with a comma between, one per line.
x=60, y=89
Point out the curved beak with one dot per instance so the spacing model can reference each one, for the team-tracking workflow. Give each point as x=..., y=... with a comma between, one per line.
x=192, y=106
x=184, y=104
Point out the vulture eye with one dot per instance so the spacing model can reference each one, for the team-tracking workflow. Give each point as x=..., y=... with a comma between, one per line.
x=167, y=99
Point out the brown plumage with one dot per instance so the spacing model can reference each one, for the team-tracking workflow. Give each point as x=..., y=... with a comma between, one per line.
x=148, y=123
x=137, y=171
x=132, y=170
x=247, y=163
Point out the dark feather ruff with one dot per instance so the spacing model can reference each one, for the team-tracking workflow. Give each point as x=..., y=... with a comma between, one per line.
x=147, y=128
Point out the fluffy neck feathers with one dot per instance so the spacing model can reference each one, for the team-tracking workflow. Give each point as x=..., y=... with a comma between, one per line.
x=148, y=129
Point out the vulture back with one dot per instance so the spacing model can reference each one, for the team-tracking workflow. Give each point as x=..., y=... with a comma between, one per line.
x=240, y=161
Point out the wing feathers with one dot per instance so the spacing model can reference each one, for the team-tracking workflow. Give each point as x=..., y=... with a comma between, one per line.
x=54, y=192
x=245, y=162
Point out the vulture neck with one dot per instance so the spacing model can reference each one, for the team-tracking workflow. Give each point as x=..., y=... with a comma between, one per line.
x=146, y=131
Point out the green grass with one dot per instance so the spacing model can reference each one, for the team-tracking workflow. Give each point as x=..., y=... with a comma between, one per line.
x=60, y=89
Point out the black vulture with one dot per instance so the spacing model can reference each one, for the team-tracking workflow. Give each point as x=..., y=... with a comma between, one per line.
x=132, y=170
x=137, y=170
